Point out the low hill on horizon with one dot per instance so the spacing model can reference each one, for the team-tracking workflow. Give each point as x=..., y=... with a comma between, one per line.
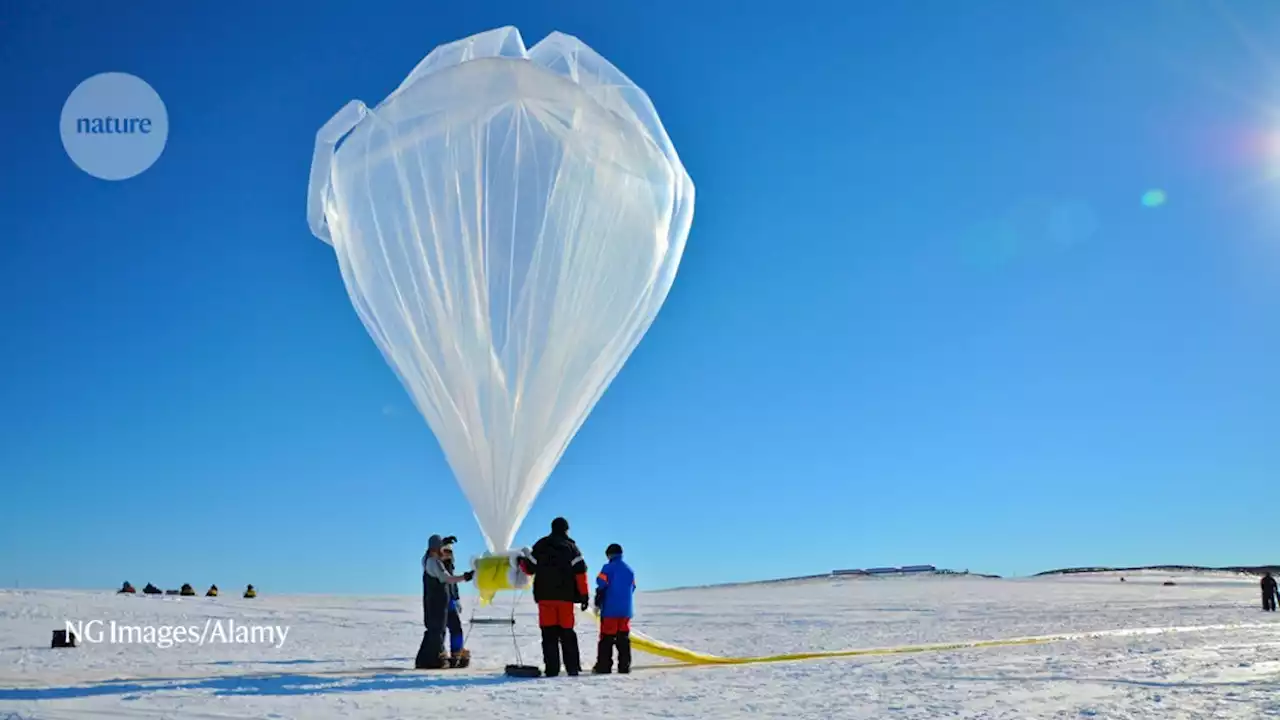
x=1238, y=569
x=1242, y=569
x=832, y=576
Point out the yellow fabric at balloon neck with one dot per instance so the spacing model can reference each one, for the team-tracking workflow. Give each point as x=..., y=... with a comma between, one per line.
x=493, y=575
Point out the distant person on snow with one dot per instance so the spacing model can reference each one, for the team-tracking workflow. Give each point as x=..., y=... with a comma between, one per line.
x=1269, y=593
x=459, y=657
x=435, y=605
x=559, y=581
x=615, y=588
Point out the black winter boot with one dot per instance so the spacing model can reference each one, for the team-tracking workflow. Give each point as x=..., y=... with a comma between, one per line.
x=569, y=645
x=624, y=652
x=551, y=651
x=604, y=655
x=429, y=654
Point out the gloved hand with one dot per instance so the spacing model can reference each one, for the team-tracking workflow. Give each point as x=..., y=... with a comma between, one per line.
x=583, y=601
x=599, y=599
x=469, y=575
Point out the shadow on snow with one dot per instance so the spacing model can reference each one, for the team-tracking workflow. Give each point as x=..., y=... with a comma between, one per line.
x=258, y=684
x=231, y=663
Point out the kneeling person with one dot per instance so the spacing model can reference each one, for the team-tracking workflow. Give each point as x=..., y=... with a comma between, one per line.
x=615, y=587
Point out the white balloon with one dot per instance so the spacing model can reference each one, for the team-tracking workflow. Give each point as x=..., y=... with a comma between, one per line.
x=507, y=223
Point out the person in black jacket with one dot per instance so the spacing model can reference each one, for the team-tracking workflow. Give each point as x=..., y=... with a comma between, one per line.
x=435, y=605
x=1269, y=593
x=559, y=582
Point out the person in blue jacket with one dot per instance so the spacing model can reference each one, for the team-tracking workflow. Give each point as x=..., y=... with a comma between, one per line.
x=615, y=588
x=459, y=656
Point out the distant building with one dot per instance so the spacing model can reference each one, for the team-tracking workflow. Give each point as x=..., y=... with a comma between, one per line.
x=908, y=569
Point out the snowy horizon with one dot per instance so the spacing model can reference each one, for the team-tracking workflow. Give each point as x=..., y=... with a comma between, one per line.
x=1059, y=646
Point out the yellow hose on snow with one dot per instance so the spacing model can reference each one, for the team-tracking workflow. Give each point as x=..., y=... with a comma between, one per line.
x=651, y=646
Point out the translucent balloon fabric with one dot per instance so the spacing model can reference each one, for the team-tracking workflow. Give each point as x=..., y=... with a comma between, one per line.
x=507, y=223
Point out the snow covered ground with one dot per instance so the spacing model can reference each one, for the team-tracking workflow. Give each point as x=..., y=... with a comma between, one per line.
x=1199, y=649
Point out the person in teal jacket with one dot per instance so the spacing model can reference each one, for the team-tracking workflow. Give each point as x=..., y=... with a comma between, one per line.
x=615, y=589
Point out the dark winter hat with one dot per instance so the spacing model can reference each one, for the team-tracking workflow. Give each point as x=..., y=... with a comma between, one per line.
x=434, y=543
x=559, y=525
x=612, y=550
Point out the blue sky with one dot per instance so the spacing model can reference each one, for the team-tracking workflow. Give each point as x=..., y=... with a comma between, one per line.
x=923, y=316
